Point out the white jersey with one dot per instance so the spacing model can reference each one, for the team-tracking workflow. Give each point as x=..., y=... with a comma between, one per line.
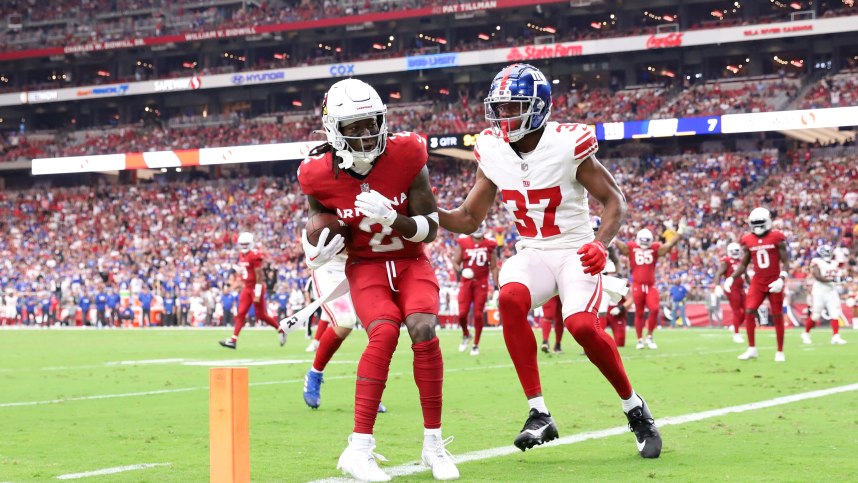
x=828, y=270
x=540, y=189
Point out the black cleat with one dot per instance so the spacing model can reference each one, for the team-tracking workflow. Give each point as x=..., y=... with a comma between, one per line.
x=228, y=343
x=557, y=349
x=545, y=347
x=539, y=428
x=647, y=437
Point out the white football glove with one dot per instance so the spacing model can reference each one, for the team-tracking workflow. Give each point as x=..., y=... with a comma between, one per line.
x=683, y=226
x=376, y=207
x=615, y=311
x=467, y=273
x=728, y=284
x=777, y=286
x=324, y=251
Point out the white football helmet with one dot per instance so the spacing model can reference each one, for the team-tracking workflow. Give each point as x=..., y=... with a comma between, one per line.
x=245, y=242
x=480, y=232
x=734, y=251
x=760, y=220
x=348, y=101
x=644, y=238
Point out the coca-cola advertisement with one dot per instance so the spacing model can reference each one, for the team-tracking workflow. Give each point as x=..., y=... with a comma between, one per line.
x=662, y=42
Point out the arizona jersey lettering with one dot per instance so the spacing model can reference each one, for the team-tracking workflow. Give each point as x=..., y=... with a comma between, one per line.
x=392, y=175
x=477, y=255
x=764, y=254
x=540, y=189
x=642, y=262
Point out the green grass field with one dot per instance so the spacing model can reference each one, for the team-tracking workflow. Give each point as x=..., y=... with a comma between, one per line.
x=78, y=401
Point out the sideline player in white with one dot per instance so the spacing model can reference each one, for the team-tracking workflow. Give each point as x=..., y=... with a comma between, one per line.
x=544, y=172
x=340, y=314
x=826, y=300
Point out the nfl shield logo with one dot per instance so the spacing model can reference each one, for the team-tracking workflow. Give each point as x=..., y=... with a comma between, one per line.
x=364, y=187
x=524, y=166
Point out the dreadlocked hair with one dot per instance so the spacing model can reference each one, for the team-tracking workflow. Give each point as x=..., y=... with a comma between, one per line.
x=327, y=148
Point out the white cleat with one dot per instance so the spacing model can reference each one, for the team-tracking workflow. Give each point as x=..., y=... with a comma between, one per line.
x=313, y=346
x=805, y=338
x=436, y=457
x=837, y=340
x=466, y=341
x=476, y=351
x=650, y=344
x=639, y=345
x=737, y=338
x=780, y=357
x=751, y=353
x=282, y=336
x=359, y=461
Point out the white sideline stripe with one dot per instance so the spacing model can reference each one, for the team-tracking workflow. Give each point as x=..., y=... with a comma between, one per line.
x=110, y=471
x=414, y=467
x=332, y=378
x=145, y=361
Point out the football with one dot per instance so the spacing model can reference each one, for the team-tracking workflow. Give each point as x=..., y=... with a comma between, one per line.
x=320, y=221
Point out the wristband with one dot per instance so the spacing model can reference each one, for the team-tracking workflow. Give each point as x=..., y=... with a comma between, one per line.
x=422, y=229
x=257, y=290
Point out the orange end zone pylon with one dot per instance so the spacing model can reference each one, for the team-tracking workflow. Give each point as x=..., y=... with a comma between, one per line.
x=229, y=425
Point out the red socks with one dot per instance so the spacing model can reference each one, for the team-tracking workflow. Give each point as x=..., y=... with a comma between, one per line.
x=321, y=327
x=778, y=319
x=372, y=373
x=463, y=323
x=559, y=328
x=327, y=348
x=429, y=377
x=600, y=349
x=751, y=326
x=546, y=324
x=513, y=304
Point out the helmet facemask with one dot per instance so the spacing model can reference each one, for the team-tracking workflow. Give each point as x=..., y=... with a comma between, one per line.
x=245, y=242
x=644, y=238
x=734, y=251
x=513, y=119
x=760, y=221
x=825, y=253
x=518, y=103
x=348, y=108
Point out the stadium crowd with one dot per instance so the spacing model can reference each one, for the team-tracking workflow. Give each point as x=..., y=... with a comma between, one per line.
x=69, y=248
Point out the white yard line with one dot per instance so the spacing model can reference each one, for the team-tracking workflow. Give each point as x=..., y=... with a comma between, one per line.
x=414, y=467
x=110, y=471
x=332, y=378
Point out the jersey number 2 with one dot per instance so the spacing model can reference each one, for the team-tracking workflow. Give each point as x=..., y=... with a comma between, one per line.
x=526, y=225
x=375, y=242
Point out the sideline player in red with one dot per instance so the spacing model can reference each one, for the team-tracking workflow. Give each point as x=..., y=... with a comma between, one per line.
x=643, y=256
x=771, y=264
x=474, y=257
x=544, y=172
x=250, y=270
x=736, y=295
x=552, y=316
x=379, y=185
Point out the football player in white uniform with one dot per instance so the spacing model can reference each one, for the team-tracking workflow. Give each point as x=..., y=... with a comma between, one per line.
x=826, y=300
x=544, y=172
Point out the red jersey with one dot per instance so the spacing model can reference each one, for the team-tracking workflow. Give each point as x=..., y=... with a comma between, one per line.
x=642, y=261
x=738, y=282
x=764, y=254
x=249, y=262
x=391, y=175
x=477, y=255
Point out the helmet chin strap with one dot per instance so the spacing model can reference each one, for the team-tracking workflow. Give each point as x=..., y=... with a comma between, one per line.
x=359, y=165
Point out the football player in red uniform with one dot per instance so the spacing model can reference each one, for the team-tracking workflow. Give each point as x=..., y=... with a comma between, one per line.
x=474, y=257
x=552, y=316
x=771, y=264
x=250, y=270
x=643, y=256
x=736, y=295
x=378, y=184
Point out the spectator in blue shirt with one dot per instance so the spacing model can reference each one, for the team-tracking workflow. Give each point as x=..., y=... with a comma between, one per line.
x=227, y=300
x=31, y=309
x=85, y=303
x=169, y=317
x=184, y=308
x=282, y=299
x=113, y=305
x=678, y=293
x=101, y=308
x=145, y=299
x=45, y=305
x=127, y=315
